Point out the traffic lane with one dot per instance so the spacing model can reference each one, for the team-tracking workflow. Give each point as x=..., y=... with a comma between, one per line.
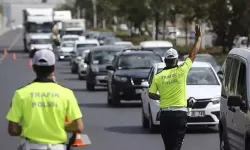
x=108, y=128
x=120, y=128
x=7, y=38
x=13, y=74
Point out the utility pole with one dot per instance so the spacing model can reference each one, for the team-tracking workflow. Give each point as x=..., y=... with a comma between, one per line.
x=94, y=13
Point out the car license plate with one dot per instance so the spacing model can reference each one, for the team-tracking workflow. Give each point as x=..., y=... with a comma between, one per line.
x=196, y=114
x=138, y=91
x=102, y=77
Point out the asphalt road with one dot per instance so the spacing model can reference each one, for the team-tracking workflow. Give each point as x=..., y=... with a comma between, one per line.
x=108, y=128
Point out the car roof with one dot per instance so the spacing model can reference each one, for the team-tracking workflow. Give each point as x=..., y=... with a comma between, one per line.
x=70, y=36
x=195, y=64
x=40, y=36
x=86, y=41
x=136, y=52
x=123, y=42
x=108, y=47
x=68, y=42
x=156, y=44
x=243, y=52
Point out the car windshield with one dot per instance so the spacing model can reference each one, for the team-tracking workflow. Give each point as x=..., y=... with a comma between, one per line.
x=41, y=41
x=68, y=45
x=86, y=45
x=244, y=42
x=200, y=76
x=84, y=53
x=80, y=51
x=70, y=39
x=74, y=32
x=39, y=28
x=138, y=61
x=103, y=57
x=159, y=50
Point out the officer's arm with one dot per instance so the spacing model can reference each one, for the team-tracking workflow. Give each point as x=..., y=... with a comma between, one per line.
x=196, y=47
x=15, y=116
x=74, y=114
x=14, y=129
x=152, y=91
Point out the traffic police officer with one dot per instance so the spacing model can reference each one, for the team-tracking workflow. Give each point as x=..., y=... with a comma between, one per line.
x=41, y=107
x=171, y=85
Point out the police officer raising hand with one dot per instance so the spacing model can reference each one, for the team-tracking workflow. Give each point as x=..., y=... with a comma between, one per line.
x=171, y=85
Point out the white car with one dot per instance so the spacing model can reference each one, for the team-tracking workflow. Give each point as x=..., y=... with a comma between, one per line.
x=203, y=85
x=159, y=47
x=40, y=41
x=124, y=43
x=65, y=49
x=75, y=59
x=82, y=67
x=70, y=38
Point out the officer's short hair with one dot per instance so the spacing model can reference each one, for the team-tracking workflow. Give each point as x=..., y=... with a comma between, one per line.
x=44, y=62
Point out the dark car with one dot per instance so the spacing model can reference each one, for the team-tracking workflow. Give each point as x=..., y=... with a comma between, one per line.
x=97, y=60
x=126, y=74
x=103, y=35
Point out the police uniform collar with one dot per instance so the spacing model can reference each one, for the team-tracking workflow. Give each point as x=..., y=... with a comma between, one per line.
x=43, y=80
x=166, y=68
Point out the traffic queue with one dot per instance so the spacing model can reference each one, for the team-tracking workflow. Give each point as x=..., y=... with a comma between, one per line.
x=127, y=71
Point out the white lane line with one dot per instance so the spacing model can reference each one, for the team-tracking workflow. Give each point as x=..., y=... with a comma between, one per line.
x=11, y=46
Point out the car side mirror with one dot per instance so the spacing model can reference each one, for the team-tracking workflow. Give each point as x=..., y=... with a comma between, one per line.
x=145, y=84
x=234, y=101
x=110, y=68
x=220, y=72
x=86, y=61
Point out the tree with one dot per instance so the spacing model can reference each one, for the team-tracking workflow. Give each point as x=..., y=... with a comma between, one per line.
x=229, y=18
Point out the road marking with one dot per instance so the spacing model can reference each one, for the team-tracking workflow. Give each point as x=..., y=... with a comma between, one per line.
x=11, y=46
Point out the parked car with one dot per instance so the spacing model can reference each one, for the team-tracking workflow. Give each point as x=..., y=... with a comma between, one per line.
x=234, y=127
x=203, y=85
x=97, y=60
x=129, y=69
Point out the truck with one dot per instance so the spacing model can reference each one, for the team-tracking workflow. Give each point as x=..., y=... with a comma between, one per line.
x=36, y=21
x=59, y=17
x=73, y=27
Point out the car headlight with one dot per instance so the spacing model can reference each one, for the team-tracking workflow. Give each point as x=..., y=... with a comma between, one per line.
x=95, y=69
x=215, y=100
x=121, y=79
x=32, y=47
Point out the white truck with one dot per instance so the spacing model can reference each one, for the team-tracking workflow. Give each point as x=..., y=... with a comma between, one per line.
x=36, y=21
x=59, y=17
x=73, y=27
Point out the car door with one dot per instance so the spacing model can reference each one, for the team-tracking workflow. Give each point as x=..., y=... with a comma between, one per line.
x=111, y=73
x=231, y=90
x=145, y=98
x=240, y=115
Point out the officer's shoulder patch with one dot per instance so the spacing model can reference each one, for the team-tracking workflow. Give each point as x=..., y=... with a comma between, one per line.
x=24, y=86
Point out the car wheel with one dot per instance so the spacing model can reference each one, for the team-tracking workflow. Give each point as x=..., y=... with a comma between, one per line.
x=115, y=99
x=109, y=100
x=223, y=145
x=152, y=127
x=90, y=86
x=145, y=121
